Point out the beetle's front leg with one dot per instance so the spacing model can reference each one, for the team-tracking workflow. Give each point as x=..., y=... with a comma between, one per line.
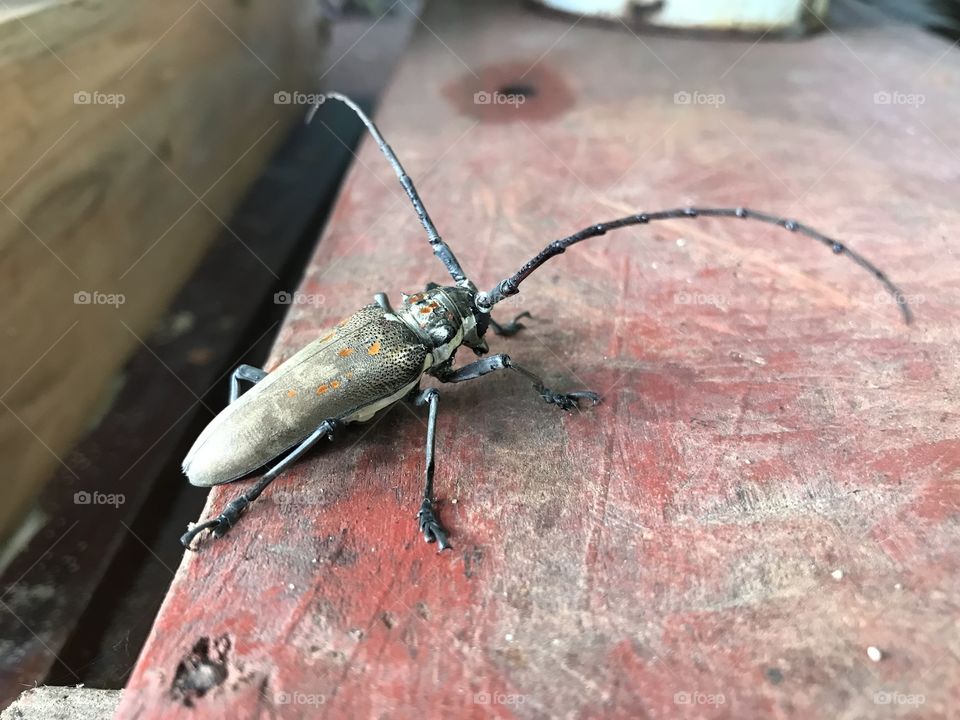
x=429, y=524
x=487, y=365
x=511, y=328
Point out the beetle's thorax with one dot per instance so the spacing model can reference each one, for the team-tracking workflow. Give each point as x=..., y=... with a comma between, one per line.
x=442, y=318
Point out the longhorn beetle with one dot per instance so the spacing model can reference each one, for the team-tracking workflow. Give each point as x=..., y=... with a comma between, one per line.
x=377, y=356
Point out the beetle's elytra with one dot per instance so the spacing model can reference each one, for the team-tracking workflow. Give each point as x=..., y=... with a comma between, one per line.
x=377, y=357
x=349, y=373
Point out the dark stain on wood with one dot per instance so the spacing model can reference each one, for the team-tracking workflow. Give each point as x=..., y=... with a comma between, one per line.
x=518, y=90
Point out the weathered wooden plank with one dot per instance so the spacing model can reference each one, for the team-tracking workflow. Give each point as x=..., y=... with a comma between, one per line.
x=770, y=486
x=129, y=132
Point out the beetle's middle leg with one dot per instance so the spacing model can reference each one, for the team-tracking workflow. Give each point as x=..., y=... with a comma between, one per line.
x=487, y=365
x=244, y=372
x=231, y=513
x=429, y=524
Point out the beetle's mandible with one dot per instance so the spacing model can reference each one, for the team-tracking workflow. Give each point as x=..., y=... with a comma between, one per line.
x=377, y=357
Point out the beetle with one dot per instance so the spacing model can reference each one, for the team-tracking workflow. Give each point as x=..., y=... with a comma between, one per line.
x=378, y=356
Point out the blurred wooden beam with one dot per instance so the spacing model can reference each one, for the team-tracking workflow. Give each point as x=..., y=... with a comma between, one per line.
x=129, y=131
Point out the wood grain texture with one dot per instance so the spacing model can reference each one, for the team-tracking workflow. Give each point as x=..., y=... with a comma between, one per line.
x=102, y=197
x=768, y=426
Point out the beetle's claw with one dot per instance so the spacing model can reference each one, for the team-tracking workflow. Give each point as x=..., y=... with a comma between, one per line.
x=192, y=532
x=571, y=400
x=511, y=328
x=430, y=526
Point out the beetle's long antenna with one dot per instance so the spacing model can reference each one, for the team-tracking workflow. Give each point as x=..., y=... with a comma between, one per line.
x=506, y=288
x=440, y=248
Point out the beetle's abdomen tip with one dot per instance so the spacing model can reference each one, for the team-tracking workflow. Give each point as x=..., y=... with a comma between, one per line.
x=196, y=475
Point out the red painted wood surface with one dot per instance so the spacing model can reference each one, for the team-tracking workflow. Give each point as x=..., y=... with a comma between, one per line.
x=768, y=489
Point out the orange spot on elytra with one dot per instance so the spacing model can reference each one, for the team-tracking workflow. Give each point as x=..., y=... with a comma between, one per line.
x=334, y=384
x=291, y=393
x=327, y=337
x=345, y=352
x=322, y=389
x=342, y=322
x=374, y=349
x=425, y=310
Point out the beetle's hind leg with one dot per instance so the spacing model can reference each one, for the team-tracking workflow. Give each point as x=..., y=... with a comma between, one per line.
x=429, y=524
x=234, y=509
x=511, y=328
x=249, y=373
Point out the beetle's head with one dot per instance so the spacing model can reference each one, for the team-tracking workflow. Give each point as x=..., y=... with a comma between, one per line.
x=444, y=317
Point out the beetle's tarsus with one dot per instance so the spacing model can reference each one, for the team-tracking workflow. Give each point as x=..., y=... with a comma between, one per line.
x=568, y=401
x=219, y=525
x=511, y=328
x=228, y=518
x=430, y=526
x=187, y=538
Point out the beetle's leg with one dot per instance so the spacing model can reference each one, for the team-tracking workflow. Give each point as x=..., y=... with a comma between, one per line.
x=244, y=372
x=231, y=514
x=511, y=328
x=479, y=368
x=429, y=524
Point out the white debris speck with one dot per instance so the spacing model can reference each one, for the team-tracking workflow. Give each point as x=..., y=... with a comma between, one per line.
x=747, y=461
x=898, y=586
x=874, y=653
x=653, y=265
x=681, y=242
x=759, y=360
x=508, y=637
x=291, y=586
x=453, y=502
x=837, y=574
